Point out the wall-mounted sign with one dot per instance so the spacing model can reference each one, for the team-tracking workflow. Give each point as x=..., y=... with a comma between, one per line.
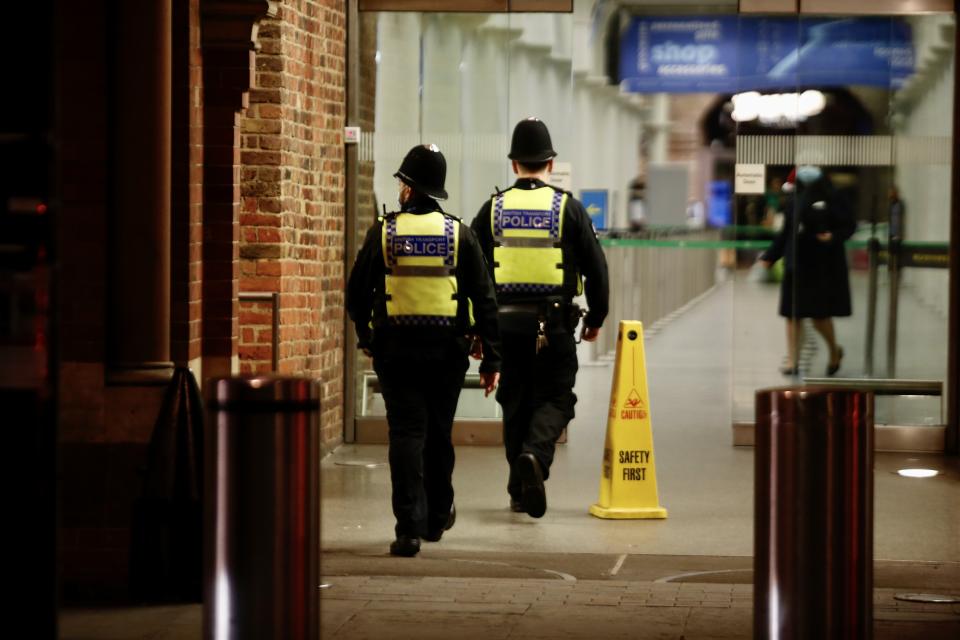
x=728, y=54
x=596, y=202
x=750, y=178
x=351, y=135
x=561, y=175
x=927, y=257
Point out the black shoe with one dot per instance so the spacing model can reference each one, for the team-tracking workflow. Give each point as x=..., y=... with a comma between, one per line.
x=834, y=367
x=434, y=536
x=534, y=497
x=405, y=546
x=516, y=506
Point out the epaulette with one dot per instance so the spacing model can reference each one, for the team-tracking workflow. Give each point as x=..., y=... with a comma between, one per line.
x=452, y=216
x=499, y=191
x=558, y=189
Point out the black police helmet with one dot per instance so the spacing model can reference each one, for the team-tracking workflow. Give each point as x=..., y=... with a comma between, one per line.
x=531, y=142
x=425, y=170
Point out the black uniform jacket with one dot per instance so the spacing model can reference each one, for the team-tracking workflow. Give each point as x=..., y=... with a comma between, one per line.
x=816, y=282
x=366, y=302
x=797, y=241
x=582, y=255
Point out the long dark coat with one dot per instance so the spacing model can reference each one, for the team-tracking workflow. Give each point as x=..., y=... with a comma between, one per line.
x=815, y=279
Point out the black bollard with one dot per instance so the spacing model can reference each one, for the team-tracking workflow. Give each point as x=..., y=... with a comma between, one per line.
x=813, y=514
x=262, y=509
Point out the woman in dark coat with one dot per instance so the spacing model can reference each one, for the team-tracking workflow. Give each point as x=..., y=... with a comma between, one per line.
x=817, y=222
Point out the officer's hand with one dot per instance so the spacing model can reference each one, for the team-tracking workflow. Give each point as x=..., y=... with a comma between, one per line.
x=489, y=382
x=766, y=263
x=589, y=333
x=826, y=236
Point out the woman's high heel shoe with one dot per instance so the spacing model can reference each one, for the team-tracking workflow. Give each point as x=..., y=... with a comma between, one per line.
x=833, y=367
x=790, y=371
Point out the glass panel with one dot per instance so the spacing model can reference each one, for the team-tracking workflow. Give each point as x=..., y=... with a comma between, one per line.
x=761, y=111
x=912, y=306
x=861, y=111
x=461, y=81
x=866, y=100
x=842, y=156
x=890, y=132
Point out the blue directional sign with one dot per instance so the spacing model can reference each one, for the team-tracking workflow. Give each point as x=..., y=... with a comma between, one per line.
x=728, y=54
x=596, y=202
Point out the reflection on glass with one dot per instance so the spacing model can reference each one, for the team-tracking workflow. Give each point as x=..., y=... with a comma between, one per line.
x=850, y=119
x=653, y=116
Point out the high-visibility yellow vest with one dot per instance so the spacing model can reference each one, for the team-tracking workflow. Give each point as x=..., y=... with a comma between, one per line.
x=420, y=257
x=527, y=227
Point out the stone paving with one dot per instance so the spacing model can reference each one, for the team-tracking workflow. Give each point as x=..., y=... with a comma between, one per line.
x=391, y=607
x=428, y=607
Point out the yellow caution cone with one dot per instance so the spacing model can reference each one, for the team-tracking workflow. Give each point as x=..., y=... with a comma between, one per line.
x=628, y=486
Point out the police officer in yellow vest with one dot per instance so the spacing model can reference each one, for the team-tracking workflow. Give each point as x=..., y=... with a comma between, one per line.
x=542, y=246
x=420, y=289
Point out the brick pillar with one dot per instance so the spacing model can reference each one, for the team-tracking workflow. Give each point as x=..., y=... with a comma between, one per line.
x=293, y=184
x=228, y=32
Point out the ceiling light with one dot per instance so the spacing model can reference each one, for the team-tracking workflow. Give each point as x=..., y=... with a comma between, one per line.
x=777, y=108
x=918, y=473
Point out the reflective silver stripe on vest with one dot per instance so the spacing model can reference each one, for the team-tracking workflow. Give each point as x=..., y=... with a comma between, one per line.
x=544, y=243
x=424, y=271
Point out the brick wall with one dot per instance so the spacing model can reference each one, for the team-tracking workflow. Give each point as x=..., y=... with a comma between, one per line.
x=292, y=194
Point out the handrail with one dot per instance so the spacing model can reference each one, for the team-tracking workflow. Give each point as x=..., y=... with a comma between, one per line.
x=274, y=299
x=883, y=386
x=747, y=244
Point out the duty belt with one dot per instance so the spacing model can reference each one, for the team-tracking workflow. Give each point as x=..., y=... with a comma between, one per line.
x=547, y=312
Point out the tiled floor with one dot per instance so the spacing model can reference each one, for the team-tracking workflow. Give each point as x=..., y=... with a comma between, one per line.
x=705, y=483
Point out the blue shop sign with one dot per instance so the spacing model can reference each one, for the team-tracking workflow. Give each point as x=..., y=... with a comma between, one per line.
x=596, y=202
x=729, y=54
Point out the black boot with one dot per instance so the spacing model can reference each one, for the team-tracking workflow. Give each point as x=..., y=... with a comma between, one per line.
x=436, y=534
x=534, y=497
x=406, y=546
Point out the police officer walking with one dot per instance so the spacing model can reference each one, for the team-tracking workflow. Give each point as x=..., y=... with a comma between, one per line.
x=420, y=285
x=541, y=244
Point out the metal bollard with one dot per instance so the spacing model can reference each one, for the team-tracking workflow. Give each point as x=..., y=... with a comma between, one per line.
x=262, y=512
x=813, y=514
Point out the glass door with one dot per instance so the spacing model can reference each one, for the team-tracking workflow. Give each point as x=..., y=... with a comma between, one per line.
x=844, y=138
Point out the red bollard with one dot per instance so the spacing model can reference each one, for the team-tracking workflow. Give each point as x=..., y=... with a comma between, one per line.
x=813, y=514
x=262, y=509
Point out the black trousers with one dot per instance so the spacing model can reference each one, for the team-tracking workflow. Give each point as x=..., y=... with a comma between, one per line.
x=421, y=398
x=536, y=394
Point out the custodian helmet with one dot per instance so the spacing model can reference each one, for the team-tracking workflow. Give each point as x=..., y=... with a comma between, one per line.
x=424, y=169
x=531, y=142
